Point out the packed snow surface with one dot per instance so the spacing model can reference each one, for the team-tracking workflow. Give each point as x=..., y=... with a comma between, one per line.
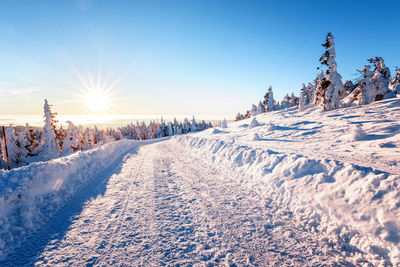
x=297, y=188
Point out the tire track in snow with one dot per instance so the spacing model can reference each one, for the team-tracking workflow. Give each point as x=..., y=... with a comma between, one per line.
x=167, y=207
x=112, y=244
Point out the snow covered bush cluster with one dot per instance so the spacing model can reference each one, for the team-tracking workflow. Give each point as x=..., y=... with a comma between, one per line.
x=52, y=142
x=328, y=92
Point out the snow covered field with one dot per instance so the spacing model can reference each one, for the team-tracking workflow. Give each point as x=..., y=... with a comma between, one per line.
x=295, y=188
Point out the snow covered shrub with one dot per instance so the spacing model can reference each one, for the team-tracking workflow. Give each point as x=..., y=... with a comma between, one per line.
x=357, y=133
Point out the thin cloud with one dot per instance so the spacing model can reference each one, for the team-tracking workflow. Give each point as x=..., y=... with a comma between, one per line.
x=10, y=89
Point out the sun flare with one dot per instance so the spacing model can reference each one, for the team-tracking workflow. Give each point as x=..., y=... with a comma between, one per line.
x=96, y=101
x=95, y=93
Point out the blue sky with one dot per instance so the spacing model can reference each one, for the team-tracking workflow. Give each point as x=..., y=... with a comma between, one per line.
x=181, y=57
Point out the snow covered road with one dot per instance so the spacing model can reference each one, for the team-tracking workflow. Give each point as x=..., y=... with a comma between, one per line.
x=164, y=206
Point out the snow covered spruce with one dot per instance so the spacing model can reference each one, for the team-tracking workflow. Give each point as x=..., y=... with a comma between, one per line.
x=51, y=142
x=328, y=92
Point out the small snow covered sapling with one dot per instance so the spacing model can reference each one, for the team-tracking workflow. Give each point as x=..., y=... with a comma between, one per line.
x=224, y=124
x=357, y=133
x=254, y=123
x=255, y=137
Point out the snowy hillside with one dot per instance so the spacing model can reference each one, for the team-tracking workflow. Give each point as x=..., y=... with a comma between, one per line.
x=338, y=171
x=284, y=187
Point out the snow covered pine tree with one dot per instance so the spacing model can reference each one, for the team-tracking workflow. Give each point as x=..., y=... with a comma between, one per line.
x=269, y=101
x=331, y=87
x=48, y=148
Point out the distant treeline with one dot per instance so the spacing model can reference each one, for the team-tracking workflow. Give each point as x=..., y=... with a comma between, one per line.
x=30, y=144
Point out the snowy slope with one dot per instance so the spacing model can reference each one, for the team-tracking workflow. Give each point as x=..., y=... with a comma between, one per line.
x=338, y=171
x=289, y=188
x=30, y=195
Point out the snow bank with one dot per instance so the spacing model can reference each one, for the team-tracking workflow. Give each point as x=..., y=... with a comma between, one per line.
x=29, y=195
x=358, y=207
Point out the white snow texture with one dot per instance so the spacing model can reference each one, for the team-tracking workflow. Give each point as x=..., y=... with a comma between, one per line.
x=301, y=188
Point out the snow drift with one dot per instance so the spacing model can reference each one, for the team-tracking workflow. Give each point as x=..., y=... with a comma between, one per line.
x=29, y=195
x=356, y=205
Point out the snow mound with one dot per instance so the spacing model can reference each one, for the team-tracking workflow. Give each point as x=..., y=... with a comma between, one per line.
x=31, y=194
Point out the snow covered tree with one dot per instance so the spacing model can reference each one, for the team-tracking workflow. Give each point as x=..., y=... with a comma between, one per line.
x=22, y=144
x=12, y=147
x=32, y=142
x=380, y=80
x=269, y=101
x=239, y=117
x=310, y=92
x=260, y=108
x=177, y=129
x=86, y=145
x=162, y=129
x=285, y=102
x=69, y=142
x=170, y=130
x=317, y=97
x=224, y=124
x=60, y=136
x=331, y=86
x=349, y=87
x=48, y=148
x=395, y=83
x=193, y=125
x=91, y=138
x=3, y=163
x=372, y=85
x=293, y=100
x=304, y=97
x=254, y=110
x=361, y=94
x=186, y=126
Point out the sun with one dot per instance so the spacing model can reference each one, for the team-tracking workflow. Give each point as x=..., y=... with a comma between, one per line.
x=96, y=101
x=95, y=95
